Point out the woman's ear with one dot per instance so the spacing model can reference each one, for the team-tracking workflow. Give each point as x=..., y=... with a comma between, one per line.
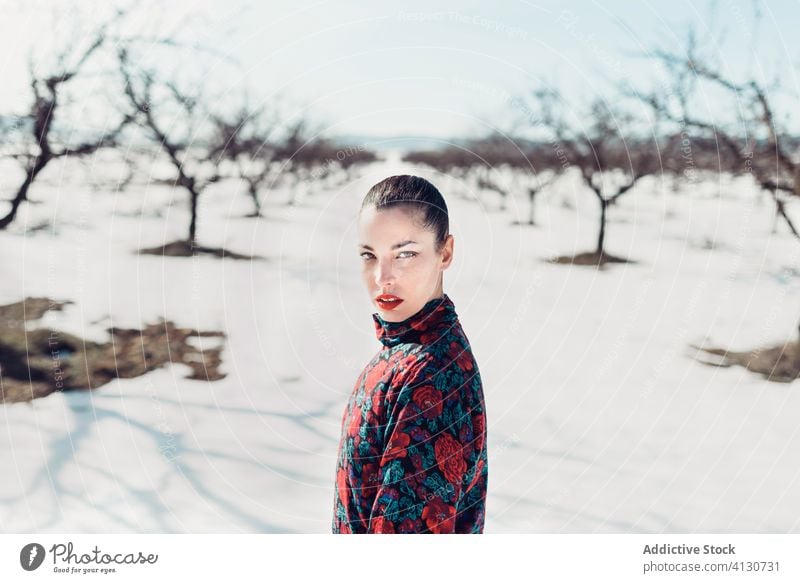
x=447, y=251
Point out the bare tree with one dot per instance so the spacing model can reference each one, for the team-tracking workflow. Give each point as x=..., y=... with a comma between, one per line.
x=525, y=167
x=609, y=153
x=311, y=159
x=305, y=157
x=243, y=139
x=262, y=156
x=496, y=163
x=453, y=160
x=37, y=126
x=545, y=167
x=187, y=142
x=302, y=155
x=753, y=143
x=352, y=157
x=494, y=156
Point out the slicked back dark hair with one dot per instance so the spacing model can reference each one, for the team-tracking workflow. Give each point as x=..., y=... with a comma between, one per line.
x=421, y=197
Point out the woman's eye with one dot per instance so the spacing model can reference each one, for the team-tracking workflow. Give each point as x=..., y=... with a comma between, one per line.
x=402, y=255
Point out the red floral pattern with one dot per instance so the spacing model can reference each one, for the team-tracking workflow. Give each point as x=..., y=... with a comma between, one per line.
x=412, y=454
x=429, y=400
x=449, y=458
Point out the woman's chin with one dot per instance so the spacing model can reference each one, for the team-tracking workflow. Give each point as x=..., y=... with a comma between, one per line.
x=390, y=315
x=387, y=311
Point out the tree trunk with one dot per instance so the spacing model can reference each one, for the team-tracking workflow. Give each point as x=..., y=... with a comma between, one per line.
x=780, y=210
x=532, y=194
x=601, y=237
x=22, y=192
x=193, y=223
x=253, y=190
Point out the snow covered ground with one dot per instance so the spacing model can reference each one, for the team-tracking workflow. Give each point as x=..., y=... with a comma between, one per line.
x=599, y=419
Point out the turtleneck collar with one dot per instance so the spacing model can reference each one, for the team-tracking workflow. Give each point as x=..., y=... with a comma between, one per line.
x=427, y=325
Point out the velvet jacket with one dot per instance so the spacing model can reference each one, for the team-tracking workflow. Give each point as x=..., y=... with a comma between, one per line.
x=412, y=453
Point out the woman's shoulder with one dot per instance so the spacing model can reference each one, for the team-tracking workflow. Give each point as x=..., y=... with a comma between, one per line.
x=452, y=375
x=444, y=363
x=450, y=348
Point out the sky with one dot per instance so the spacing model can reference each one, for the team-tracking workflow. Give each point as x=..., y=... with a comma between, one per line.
x=440, y=69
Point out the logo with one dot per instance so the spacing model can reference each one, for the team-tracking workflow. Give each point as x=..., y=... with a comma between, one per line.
x=65, y=560
x=31, y=556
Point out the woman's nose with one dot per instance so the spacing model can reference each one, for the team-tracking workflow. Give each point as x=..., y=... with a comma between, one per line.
x=384, y=274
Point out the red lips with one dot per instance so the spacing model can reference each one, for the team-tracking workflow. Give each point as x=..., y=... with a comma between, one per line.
x=388, y=301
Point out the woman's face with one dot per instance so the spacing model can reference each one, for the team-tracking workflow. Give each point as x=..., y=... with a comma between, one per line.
x=399, y=258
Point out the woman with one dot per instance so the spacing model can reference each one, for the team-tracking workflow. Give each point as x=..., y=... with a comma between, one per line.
x=412, y=454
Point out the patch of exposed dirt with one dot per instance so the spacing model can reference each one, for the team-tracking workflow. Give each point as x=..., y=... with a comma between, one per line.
x=35, y=362
x=183, y=248
x=776, y=363
x=592, y=258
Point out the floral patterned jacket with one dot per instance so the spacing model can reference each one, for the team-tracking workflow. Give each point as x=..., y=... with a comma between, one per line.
x=412, y=453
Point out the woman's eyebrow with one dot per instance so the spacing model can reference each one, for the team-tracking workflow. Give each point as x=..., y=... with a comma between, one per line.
x=395, y=246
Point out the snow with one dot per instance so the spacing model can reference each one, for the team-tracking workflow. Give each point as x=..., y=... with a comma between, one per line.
x=599, y=419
